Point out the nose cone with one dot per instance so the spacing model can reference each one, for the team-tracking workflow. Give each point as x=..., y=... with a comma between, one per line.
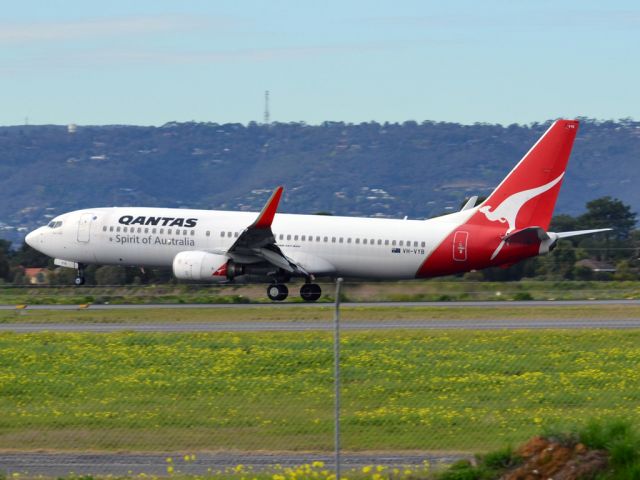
x=31, y=238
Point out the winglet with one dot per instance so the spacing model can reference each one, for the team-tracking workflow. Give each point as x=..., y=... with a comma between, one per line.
x=265, y=218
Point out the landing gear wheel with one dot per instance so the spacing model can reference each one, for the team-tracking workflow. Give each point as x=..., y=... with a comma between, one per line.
x=79, y=280
x=277, y=292
x=310, y=292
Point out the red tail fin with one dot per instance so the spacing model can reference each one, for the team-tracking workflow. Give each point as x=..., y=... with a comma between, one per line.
x=528, y=194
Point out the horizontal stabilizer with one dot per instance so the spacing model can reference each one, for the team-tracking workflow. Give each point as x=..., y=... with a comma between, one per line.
x=582, y=232
x=470, y=203
x=526, y=235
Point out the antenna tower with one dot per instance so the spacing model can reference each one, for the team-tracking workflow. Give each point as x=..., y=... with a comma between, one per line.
x=267, y=116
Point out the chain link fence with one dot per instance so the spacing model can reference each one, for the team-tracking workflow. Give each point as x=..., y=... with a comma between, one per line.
x=404, y=391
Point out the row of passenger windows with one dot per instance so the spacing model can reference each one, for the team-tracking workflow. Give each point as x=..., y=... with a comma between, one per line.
x=326, y=239
x=160, y=231
x=295, y=238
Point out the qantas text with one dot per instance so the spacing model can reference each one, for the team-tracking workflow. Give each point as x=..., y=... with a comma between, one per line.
x=158, y=221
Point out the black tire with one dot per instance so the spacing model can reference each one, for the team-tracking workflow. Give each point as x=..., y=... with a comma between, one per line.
x=277, y=292
x=79, y=281
x=310, y=292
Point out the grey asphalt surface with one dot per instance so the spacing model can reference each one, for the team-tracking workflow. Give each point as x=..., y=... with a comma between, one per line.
x=303, y=326
x=61, y=464
x=491, y=304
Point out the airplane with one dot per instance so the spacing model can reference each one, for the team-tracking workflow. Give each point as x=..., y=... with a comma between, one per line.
x=223, y=246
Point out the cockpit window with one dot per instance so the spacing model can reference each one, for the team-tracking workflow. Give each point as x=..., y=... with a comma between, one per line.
x=55, y=224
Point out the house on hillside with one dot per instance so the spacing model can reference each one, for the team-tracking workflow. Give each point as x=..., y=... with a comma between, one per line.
x=37, y=276
x=596, y=266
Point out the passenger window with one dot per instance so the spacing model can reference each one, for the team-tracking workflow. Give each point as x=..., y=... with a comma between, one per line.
x=393, y=243
x=124, y=229
x=386, y=242
x=207, y=233
x=317, y=238
x=326, y=239
x=229, y=234
x=281, y=237
x=104, y=229
x=153, y=230
x=146, y=230
x=415, y=244
x=193, y=232
x=185, y=233
x=341, y=240
x=161, y=231
x=288, y=237
x=237, y=235
x=168, y=231
x=423, y=245
x=333, y=239
x=111, y=229
x=364, y=241
x=373, y=242
x=379, y=241
x=349, y=240
x=401, y=243
x=295, y=238
x=357, y=240
x=117, y=229
x=303, y=238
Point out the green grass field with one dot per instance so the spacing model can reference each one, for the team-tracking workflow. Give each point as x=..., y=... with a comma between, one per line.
x=432, y=290
x=415, y=390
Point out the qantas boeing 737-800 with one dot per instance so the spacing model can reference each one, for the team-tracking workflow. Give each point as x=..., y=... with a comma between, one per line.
x=220, y=246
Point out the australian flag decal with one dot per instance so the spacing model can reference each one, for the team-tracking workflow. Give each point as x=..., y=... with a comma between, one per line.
x=395, y=250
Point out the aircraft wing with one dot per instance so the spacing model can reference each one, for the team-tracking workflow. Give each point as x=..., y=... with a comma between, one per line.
x=257, y=241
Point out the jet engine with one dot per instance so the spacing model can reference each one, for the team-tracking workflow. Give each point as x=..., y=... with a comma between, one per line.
x=198, y=265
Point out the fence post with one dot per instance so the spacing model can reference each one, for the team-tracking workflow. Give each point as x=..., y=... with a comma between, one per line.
x=336, y=377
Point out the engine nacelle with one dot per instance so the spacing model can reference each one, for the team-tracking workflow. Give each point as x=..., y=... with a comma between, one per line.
x=198, y=265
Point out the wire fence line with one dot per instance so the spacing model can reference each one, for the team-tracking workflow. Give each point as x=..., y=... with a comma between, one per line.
x=425, y=391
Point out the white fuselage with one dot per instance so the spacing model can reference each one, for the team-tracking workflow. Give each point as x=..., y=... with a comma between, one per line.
x=323, y=245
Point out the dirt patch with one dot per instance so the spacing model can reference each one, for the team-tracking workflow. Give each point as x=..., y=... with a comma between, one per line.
x=549, y=459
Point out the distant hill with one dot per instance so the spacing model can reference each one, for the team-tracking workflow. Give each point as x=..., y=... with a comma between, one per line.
x=372, y=169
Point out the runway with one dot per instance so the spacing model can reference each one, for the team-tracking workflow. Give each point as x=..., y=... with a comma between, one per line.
x=302, y=326
x=487, y=304
x=130, y=464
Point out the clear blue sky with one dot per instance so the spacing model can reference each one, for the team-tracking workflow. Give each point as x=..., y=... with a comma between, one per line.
x=149, y=62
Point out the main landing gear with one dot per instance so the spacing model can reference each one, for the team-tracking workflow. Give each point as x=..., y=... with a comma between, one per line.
x=79, y=280
x=277, y=292
x=310, y=292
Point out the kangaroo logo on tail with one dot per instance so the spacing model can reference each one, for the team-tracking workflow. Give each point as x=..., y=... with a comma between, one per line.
x=508, y=210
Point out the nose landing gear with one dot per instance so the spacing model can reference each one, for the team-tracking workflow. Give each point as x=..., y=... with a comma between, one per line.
x=79, y=280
